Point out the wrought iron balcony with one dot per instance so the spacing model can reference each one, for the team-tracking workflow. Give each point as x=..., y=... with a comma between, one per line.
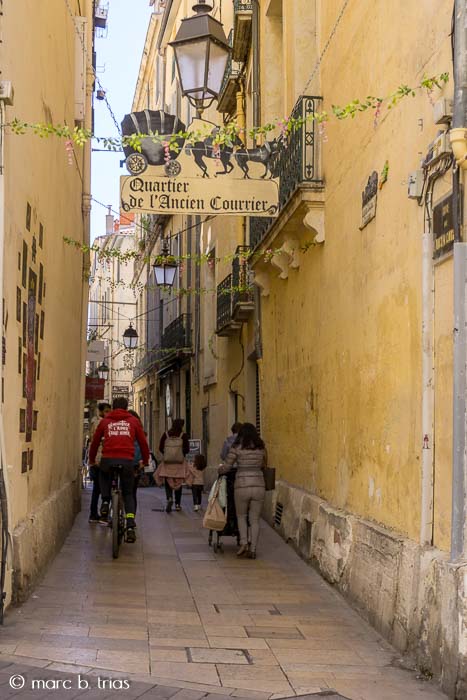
x=177, y=336
x=242, y=295
x=234, y=296
x=147, y=363
x=243, y=15
x=227, y=101
x=296, y=163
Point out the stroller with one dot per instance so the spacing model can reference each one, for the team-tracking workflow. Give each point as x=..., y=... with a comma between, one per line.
x=231, y=526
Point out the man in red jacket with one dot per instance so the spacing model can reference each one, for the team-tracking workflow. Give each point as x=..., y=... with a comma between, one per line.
x=119, y=430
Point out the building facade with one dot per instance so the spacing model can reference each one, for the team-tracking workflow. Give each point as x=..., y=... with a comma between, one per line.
x=184, y=368
x=112, y=304
x=46, y=58
x=341, y=351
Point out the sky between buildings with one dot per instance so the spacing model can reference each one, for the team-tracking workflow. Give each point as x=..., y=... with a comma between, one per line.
x=120, y=52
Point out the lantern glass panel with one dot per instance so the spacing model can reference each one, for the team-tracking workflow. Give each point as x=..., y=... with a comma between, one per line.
x=169, y=274
x=218, y=57
x=191, y=59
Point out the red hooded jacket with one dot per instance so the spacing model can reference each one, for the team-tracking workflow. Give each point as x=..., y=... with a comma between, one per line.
x=120, y=430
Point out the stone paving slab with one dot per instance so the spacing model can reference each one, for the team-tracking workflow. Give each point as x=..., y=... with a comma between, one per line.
x=177, y=622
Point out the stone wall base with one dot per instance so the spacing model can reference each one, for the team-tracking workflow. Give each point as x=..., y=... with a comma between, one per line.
x=411, y=594
x=38, y=538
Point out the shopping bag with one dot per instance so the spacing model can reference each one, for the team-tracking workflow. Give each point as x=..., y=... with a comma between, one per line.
x=215, y=517
x=269, y=478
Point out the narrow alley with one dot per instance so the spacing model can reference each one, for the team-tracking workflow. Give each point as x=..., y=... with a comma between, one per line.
x=176, y=620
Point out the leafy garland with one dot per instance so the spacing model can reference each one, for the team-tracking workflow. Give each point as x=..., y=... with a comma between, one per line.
x=245, y=257
x=228, y=134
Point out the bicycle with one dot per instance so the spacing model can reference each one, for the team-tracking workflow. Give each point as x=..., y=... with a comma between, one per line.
x=117, y=518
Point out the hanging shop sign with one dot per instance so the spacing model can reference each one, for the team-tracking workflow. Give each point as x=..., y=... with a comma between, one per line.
x=443, y=226
x=96, y=351
x=201, y=177
x=94, y=389
x=369, y=200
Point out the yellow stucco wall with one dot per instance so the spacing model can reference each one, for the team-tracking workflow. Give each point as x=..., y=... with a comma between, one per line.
x=341, y=372
x=38, y=56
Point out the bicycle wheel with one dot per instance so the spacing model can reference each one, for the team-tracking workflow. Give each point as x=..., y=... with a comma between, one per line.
x=121, y=519
x=115, y=524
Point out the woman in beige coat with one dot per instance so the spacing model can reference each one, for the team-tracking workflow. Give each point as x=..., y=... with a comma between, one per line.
x=248, y=457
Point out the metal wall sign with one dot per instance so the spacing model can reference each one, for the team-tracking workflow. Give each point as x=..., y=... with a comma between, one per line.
x=120, y=391
x=369, y=200
x=443, y=226
x=200, y=177
x=195, y=449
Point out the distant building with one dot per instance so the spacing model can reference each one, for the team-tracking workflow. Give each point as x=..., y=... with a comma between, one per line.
x=112, y=304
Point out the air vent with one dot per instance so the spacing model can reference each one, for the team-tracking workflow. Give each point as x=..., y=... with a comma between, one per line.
x=278, y=514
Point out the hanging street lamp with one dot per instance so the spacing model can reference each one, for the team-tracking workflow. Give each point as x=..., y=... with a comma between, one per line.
x=130, y=338
x=103, y=371
x=165, y=267
x=201, y=53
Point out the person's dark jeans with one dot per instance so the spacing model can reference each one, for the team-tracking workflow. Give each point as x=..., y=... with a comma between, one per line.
x=197, y=492
x=135, y=489
x=170, y=494
x=96, y=492
x=127, y=480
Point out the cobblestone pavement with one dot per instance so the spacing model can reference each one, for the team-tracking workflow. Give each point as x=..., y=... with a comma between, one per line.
x=177, y=621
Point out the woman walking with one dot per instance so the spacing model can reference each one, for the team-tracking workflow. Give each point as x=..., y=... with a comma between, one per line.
x=172, y=471
x=249, y=457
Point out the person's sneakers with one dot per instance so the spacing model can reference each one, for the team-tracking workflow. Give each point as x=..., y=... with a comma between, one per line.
x=196, y=509
x=93, y=519
x=104, y=510
x=178, y=508
x=169, y=506
x=131, y=534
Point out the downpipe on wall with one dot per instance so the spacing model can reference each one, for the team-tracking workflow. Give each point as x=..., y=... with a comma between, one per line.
x=458, y=137
x=426, y=523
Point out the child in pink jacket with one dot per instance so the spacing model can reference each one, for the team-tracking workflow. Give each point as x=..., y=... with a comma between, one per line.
x=195, y=479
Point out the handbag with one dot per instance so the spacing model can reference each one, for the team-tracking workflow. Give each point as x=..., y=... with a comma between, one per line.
x=269, y=478
x=215, y=517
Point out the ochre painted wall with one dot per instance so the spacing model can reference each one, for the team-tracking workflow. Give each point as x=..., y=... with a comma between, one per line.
x=341, y=372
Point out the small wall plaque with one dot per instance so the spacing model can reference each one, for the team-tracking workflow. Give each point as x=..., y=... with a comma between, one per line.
x=369, y=199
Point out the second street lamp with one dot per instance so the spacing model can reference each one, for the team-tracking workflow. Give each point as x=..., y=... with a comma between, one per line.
x=201, y=52
x=165, y=267
x=130, y=338
x=103, y=371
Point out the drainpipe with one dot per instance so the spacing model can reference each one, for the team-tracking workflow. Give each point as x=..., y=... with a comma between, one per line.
x=459, y=146
x=256, y=77
x=426, y=523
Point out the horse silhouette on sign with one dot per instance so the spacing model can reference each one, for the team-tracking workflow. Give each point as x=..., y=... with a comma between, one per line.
x=262, y=154
x=207, y=149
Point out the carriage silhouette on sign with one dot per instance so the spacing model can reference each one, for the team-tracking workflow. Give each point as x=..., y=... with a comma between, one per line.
x=153, y=152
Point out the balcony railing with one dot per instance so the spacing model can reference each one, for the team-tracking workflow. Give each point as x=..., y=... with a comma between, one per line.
x=177, y=336
x=296, y=163
x=228, y=93
x=243, y=14
x=234, y=296
x=242, y=294
x=224, y=307
x=147, y=362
